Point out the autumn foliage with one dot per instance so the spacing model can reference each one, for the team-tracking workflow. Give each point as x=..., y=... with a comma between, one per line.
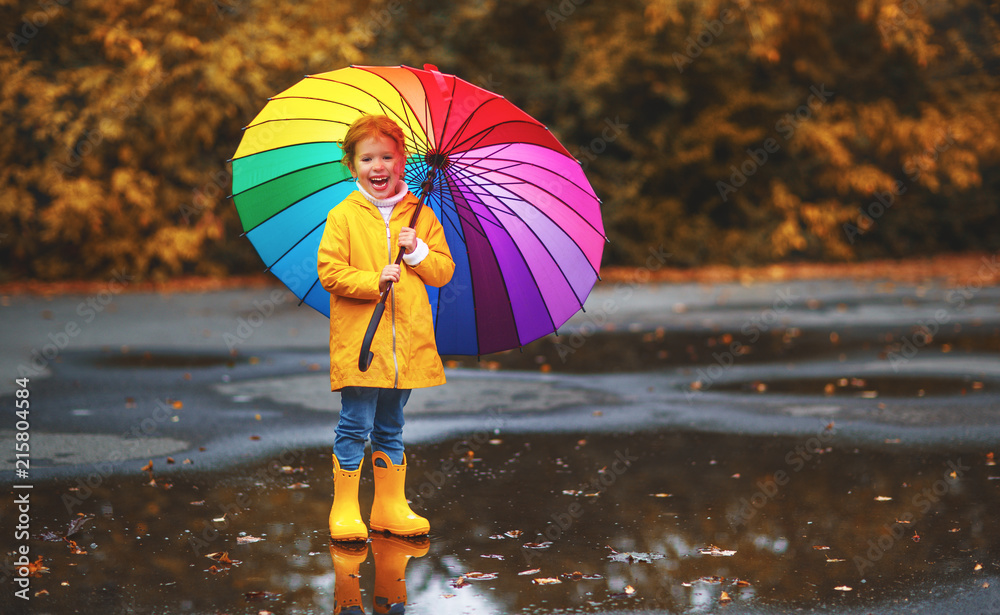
x=732, y=132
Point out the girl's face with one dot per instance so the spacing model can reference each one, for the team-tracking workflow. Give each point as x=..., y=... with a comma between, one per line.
x=378, y=165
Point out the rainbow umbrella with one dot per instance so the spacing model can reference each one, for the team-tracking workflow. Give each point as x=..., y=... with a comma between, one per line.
x=522, y=221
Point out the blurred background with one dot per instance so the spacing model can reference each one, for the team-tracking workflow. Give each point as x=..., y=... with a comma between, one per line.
x=737, y=132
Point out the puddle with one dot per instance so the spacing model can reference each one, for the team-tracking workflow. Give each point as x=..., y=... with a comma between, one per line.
x=615, y=351
x=661, y=522
x=868, y=387
x=152, y=360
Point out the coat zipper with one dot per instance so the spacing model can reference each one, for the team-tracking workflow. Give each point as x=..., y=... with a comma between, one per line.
x=392, y=292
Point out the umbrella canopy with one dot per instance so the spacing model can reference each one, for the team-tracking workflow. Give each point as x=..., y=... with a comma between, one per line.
x=522, y=221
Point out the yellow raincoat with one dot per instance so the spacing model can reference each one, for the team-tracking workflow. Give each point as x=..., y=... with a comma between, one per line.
x=356, y=246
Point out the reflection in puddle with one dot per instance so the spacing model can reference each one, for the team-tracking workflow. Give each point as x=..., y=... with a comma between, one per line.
x=671, y=522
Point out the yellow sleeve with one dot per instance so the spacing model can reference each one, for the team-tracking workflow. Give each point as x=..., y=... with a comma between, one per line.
x=437, y=268
x=336, y=273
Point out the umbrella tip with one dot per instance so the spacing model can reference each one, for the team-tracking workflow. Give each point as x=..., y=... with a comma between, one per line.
x=301, y=301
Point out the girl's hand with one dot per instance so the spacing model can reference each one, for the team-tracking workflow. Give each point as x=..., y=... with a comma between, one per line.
x=408, y=239
x=389, y=274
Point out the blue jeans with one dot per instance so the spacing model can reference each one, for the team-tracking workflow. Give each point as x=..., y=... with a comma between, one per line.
x=369, y=411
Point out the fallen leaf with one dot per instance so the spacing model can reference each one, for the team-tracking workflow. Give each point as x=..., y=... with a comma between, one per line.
x=170, y=460
x=255, y=437
x=741, y=583
x=177, y=404
x=75, y=548
x=629, y=590
x=77, y=523
x=882, y=498
x=298, y=486
x=545, y=581
x=491, y=556
x=537, y=545
x=821, y=547
x=712, y=580
x=630, y=557
x=843, y=588
x=36, y=568
x=481, y=576
x=513, y=533
x=245, y=540
x=459, y=583
x=833, y=561
x=724, y=598
x=978, y=567
x=529, y=572
x=148, y=467
x=715, y=551
x=662, y=495
x=223, y=558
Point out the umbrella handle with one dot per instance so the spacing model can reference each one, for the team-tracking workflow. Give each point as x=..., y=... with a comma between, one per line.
x=367, y=356
x=365, y=360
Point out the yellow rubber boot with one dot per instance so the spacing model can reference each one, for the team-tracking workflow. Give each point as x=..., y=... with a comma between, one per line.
x=347, y=558
x=390, y=511
x=345, y=514
x=391, y=555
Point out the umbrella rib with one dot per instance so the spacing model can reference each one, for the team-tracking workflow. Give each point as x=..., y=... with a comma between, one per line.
x=531, y=273
x=289, y=173
x=503, y=280
x=514, y=196
x=267, y=219
x=509, y=212
x=452, y=145
x=365, y=92
x=301, y=239
x=521, y=181
x=494, y=156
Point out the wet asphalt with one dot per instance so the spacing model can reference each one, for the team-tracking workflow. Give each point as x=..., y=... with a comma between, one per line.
x=205, y=384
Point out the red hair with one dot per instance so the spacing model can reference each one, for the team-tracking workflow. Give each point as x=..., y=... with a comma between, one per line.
x=371, y=127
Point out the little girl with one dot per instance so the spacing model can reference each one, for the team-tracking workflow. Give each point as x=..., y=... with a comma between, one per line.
x=362, y=237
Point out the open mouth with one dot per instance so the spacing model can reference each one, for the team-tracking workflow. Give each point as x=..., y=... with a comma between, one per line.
x=379, y=183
